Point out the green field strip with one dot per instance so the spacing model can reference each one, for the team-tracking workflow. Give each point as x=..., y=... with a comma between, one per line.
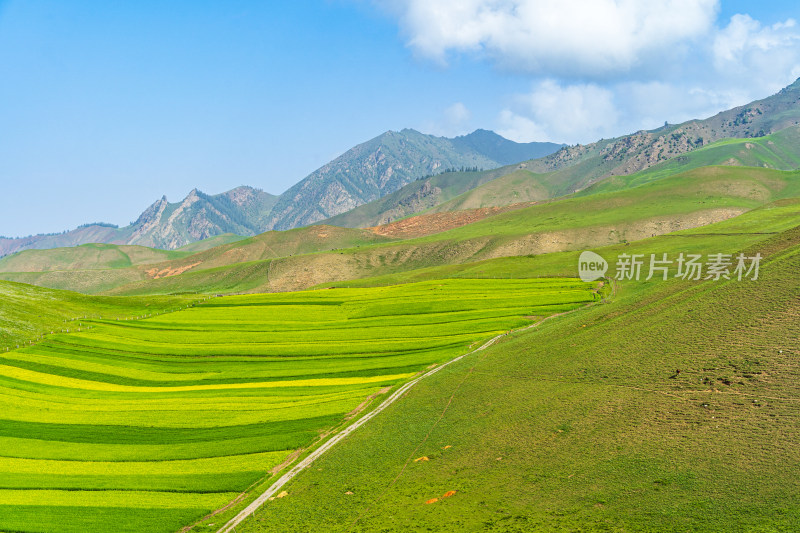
x=308, y=342
x=277, y=390
x=188, y=483
x=214, y=465
x=110, y=498
x=38, y=519
x=74, y=383
x=201, y=418
x=286, y=349
x=288, y=376
x=32, y=448
x=215, y=365
x=40, y=401
x=288, y=432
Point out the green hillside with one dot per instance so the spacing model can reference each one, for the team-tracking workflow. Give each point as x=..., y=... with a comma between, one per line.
x=280, y=261
x=226, y=266
x=28, y=312
x=777, y=151
x=417, y=196
x=516, y=187
x=86, y=257
x=211, y=242
x=671, y=408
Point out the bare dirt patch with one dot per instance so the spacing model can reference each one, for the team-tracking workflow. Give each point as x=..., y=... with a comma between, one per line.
x=422, y=225
x=156, y=273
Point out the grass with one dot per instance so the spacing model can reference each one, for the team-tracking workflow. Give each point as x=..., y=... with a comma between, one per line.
x=777, y=151
x=211, y=242
x=86, y=257
x=150, y=424
x=417, y=196
x=694, y=198
x=298, y=259
x=672, y=408
x=727, y=236
x=28, y=312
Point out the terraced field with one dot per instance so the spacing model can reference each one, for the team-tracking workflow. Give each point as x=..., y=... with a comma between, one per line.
x=148, y=425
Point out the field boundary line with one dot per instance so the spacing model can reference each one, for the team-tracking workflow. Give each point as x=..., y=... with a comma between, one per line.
x=305, y=463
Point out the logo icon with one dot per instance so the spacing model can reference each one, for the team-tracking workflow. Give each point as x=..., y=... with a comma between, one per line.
x=591, y=266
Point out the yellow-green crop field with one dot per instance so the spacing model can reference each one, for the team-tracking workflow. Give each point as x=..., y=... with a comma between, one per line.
x=149, y=425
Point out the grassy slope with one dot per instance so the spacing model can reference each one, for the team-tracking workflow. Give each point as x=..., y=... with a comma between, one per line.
x=518, y=186
x=693, y=191
x=695, y=198
x=273, y=244
x=211, y=242
x=777, y=151
x=727, y=236
x=416, y=196
x=235, y=257
x=583, y=423
x=172, y=416
x=27, y=312
x=86, y=257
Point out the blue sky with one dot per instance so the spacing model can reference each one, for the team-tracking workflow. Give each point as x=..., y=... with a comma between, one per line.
x=107, y=106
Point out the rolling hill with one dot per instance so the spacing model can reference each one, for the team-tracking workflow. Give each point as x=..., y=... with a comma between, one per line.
x=85, y=257
x=662, y=410
x=645, y=410
x=297, y=259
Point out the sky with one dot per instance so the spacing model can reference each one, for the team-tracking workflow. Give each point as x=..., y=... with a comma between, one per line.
x=107, y=106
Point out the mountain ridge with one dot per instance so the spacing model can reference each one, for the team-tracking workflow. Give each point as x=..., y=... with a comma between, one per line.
x=367, y=171
x=386, y=164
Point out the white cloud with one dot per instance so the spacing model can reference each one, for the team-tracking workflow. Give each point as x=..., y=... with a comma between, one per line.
x=564, y=38
x=455, y=120
x=738, y=63
x=457, y=115
x=764, y=58
x=520, y=128
x=551, y=112
x=602, y=68
x=584, y=113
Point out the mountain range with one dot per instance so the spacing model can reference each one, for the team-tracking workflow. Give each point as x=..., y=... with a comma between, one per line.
x=364, y=173
x=398, y=174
